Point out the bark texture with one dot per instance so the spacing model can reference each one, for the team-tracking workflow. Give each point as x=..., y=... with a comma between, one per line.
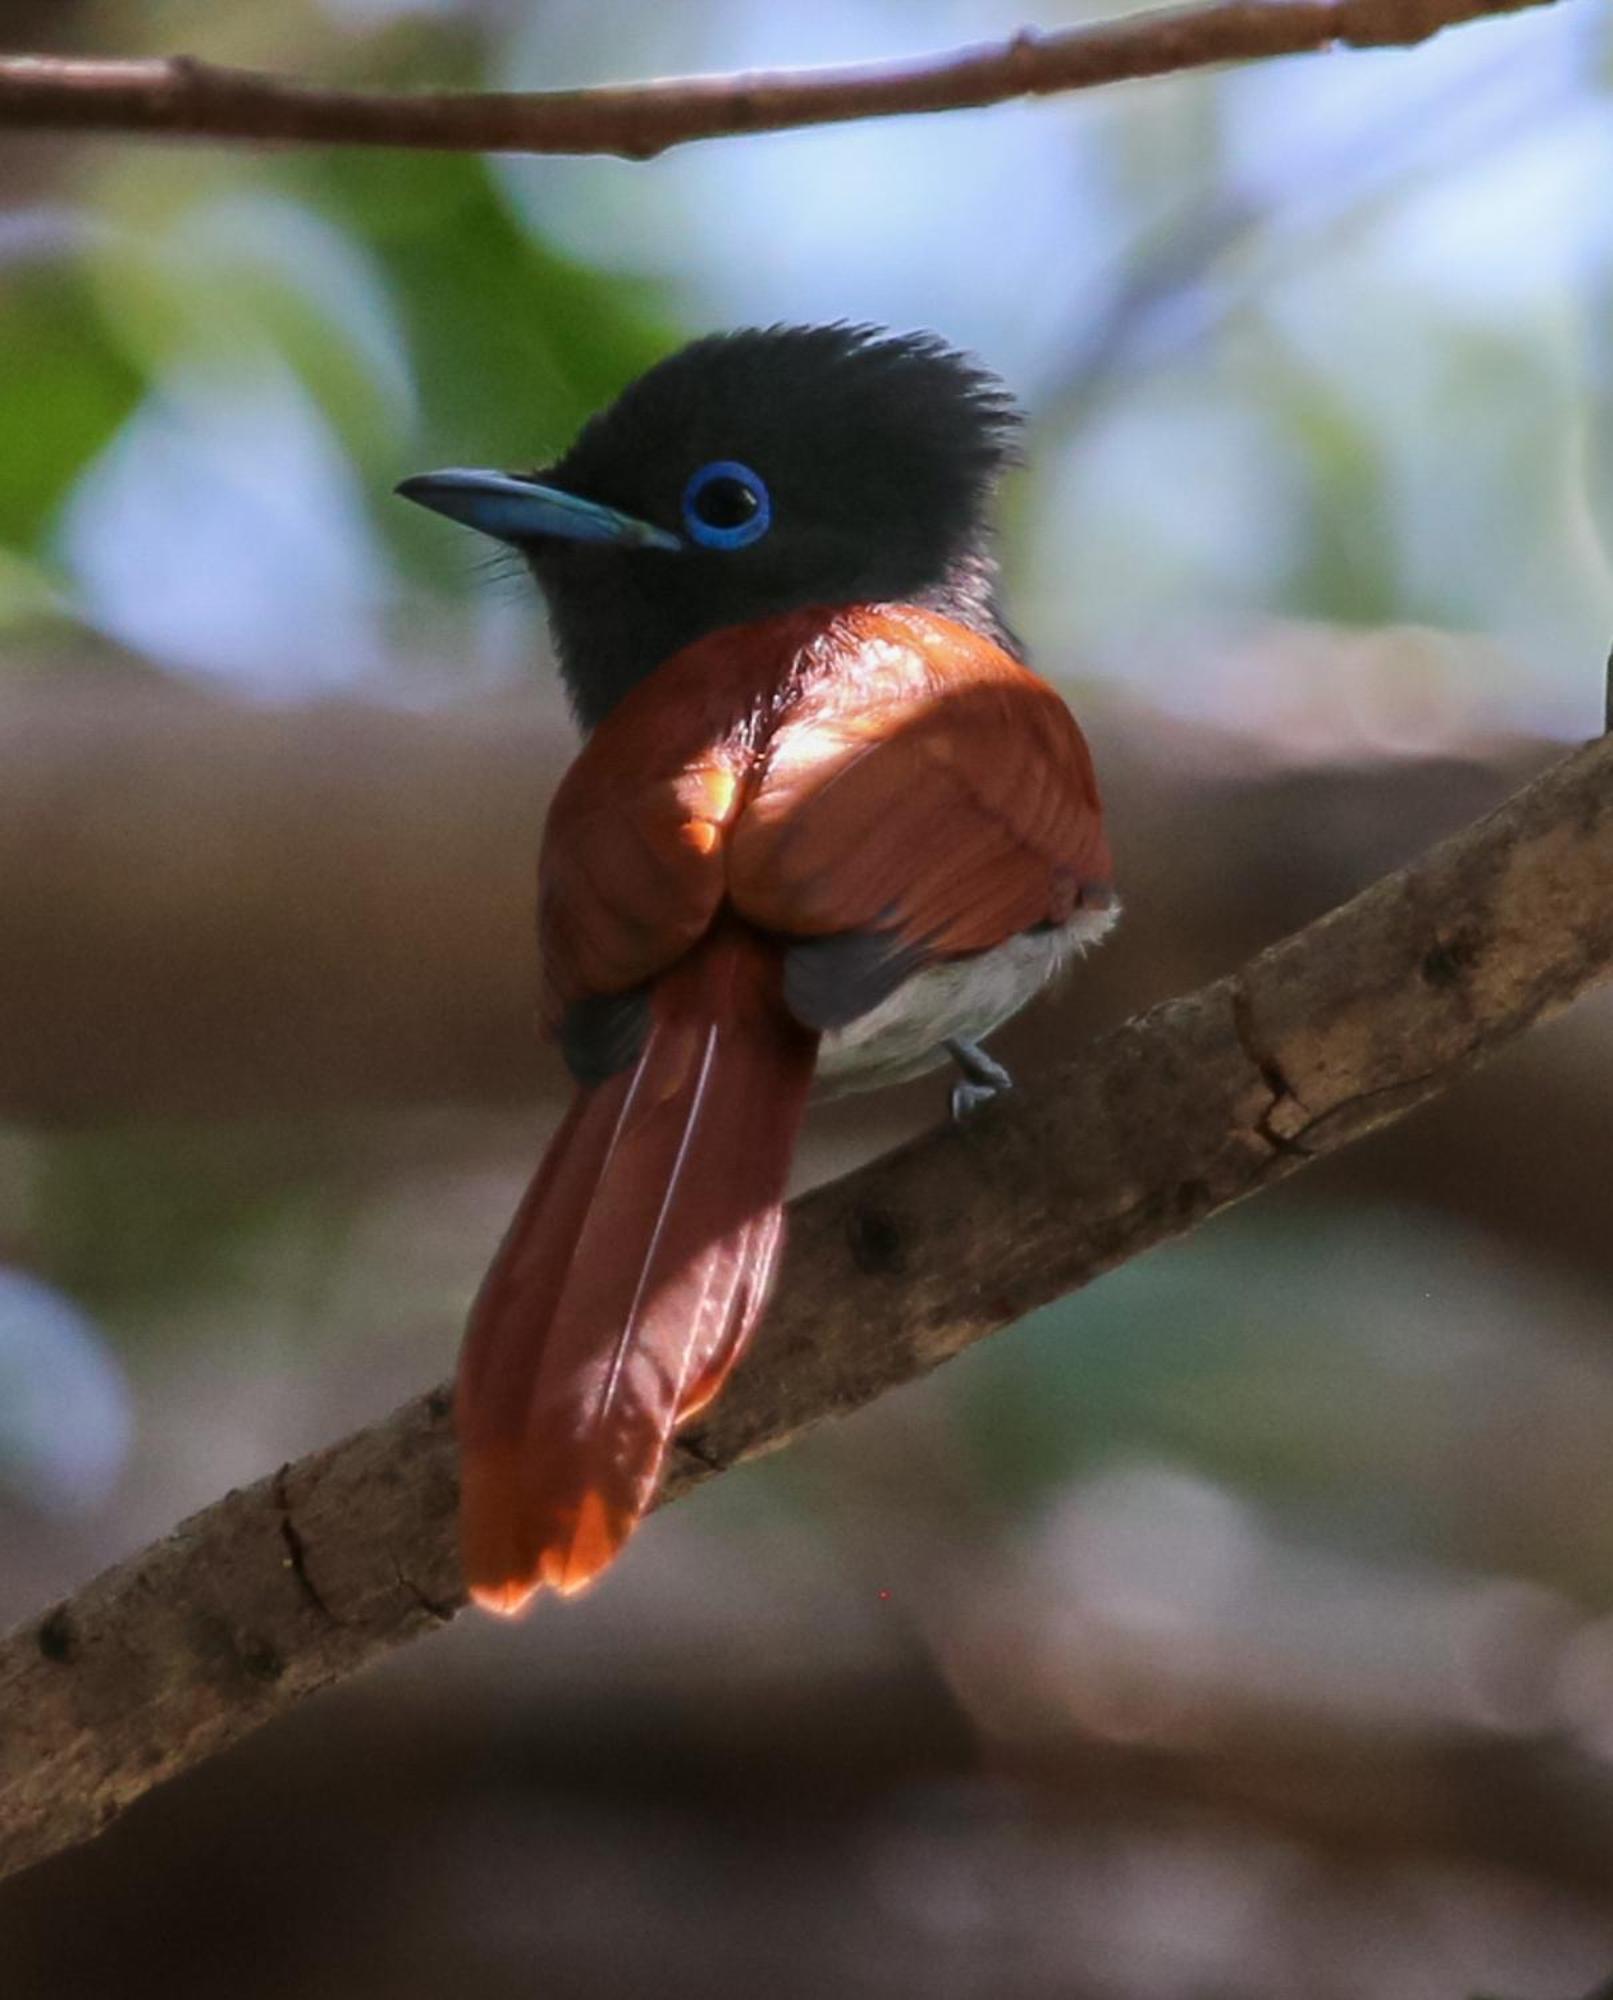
x=1347, y=1024
x=179, y=97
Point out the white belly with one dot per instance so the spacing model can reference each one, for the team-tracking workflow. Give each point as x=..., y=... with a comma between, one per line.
x=903, y=1035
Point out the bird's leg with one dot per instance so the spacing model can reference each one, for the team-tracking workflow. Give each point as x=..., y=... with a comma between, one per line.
x=982, y=1078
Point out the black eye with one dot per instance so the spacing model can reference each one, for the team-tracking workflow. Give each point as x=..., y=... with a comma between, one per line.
x=725, y=503
x=726, y=506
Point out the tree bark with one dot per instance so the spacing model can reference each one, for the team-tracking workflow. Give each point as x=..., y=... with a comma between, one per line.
x=179, y=97
x=298, y=1580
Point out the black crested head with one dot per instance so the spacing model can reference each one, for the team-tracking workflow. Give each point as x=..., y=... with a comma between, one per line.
x=795, y=466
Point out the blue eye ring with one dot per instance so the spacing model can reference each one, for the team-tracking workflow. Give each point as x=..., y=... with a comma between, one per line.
x=737, y=534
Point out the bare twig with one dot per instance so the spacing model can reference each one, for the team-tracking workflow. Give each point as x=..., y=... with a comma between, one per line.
x=181, y=97
x=299, y=1580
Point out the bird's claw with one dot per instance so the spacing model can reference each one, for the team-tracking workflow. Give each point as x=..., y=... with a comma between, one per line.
x=981, y=1081
x=968, y=1098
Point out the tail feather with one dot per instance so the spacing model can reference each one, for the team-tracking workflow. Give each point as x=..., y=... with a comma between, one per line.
x=756, y=1260
x=632, y=1276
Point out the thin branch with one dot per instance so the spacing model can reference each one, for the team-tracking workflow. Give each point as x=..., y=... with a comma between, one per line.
x=301, y=1579
x=181, y=97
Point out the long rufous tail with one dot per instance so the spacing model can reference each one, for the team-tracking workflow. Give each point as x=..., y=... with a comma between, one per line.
x=632, y=1276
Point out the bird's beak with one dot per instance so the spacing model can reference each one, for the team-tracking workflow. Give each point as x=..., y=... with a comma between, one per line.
x=520, y=510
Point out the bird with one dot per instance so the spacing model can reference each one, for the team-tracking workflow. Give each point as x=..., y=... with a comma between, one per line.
x=827, y=828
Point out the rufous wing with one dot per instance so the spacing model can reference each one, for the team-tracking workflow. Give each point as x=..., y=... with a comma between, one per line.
x=632, y=870
x=943, y=802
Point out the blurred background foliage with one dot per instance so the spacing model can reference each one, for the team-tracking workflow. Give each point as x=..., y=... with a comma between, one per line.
x=1244, y=1626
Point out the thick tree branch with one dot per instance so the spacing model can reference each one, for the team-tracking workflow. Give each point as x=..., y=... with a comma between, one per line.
x=296, y=1581
x=181, y=97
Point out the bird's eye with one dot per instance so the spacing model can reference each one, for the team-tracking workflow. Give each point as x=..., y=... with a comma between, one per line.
x=726, y=506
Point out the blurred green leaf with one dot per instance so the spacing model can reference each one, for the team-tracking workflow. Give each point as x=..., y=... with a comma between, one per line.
x=1345, y=569
x=513, y=346
x=68, y=386
x=129, y=1220
x=235, y=282
x=1350, y=1371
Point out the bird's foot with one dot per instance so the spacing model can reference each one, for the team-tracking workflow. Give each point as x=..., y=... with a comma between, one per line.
x=982, y=1079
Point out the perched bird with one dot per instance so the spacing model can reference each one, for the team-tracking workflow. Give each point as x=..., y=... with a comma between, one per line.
x=826, y=822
